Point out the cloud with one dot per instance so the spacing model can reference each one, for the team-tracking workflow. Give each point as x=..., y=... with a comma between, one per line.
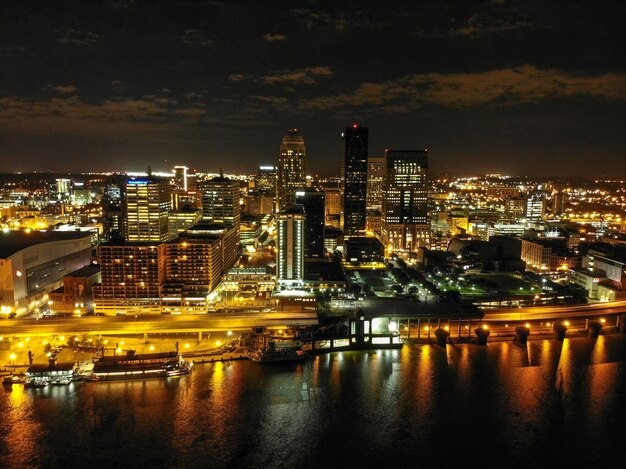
x=274, y=37
x=496, y=87
x=312, y=19
x=65, y=89
x=76, y=37
x=495, y=17
x=307, y=76
x=148, y=109
x=196, y=38
x=237, y=77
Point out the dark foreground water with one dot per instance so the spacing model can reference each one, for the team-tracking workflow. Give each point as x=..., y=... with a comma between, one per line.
x=549, y=404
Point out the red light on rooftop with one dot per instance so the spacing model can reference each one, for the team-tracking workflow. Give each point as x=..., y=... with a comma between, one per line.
x=355, y=125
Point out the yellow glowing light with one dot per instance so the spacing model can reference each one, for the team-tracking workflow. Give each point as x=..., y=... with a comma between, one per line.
x=122, y=342
x=602, y=320
x=27, y=339
x=566, y=323
x=426, y=328
x=187, y=345
x=21, y=344
x=152, y=348
x=118, y=350
x=48, y=354
x=218, y=342
x=62, y=337
x=527, y=325
x=12, y=356
x=280, y=331
x=446, y=328
x=485, y=327
x=230, y=333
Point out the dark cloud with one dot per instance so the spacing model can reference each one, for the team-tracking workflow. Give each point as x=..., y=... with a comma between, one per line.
x=239, y=73
x=274, y=37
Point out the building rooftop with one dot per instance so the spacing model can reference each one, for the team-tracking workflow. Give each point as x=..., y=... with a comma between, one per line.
x=85, y=272
x=12, y=242
x=323, y=270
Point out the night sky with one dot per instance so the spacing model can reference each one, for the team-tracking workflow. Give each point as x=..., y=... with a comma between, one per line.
x=518, y=87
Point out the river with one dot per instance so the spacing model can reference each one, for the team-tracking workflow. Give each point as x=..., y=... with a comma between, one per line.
x=546, y=404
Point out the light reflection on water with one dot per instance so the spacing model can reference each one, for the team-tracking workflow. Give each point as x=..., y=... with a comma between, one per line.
x=545, y=403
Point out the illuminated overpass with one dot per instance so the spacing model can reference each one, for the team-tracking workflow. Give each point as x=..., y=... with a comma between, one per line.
x=546, y=313
x=121, y=325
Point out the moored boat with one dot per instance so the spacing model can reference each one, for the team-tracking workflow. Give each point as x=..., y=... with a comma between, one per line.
x=274, y=351
x=133, y=366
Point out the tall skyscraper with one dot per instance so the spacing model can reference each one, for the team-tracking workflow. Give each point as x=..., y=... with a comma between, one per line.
x=220, y=202
x=180, y=177
x=354, y=142
x=147, y=206
x=266, y=180
x=291, y=167
x=314, y=209
x=375, y=174
x=405, y=222
x=290, y=246
x=114, y=208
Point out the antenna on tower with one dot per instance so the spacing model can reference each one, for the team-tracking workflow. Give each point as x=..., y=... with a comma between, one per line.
x=149, y=170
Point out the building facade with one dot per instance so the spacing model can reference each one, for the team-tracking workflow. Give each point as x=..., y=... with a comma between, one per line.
x=314, y=209
x=291, y=172
x=290, y=246
x=147, y=206
x=354, y=148
x=405, y=222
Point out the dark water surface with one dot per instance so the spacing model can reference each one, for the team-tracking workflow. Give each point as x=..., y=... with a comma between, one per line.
x=549, y=404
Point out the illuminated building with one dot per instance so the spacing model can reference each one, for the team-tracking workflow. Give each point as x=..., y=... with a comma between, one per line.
x=63, y=187
x=354, y=147
x=194, y=265
x=113, y=208
x=266, y=180
x=180, y=177
x=181, y=220
x=147, y=206
x=75, y=297
x=559, y=200
x=405, y=222
x=375, y=174
x=314, y=208
x=131, y=274
x=333, y=202
x=291, y=167
x=542, y=255
x=33, y=264
x=220, y=202
x=290, y=246
x=535, y=208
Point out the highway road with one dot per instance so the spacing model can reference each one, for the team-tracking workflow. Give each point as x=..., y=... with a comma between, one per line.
x=117, y=325
x=539, y=313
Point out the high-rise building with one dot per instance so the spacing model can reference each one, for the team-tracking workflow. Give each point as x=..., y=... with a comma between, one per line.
x=375, y=174
x=220, y=202
x=266, y=180
x=147, y=206
x=180, y=177
x=405, y=222
x=132, y=274
x=114, y=208
x=333, y=201
x=314, y=208
x=535, y=208
x=559, y=200
x=290, y=247
x=354, y=144
x=291, y=167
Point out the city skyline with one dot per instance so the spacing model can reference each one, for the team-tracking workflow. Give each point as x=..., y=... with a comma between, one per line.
x=492, y=86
